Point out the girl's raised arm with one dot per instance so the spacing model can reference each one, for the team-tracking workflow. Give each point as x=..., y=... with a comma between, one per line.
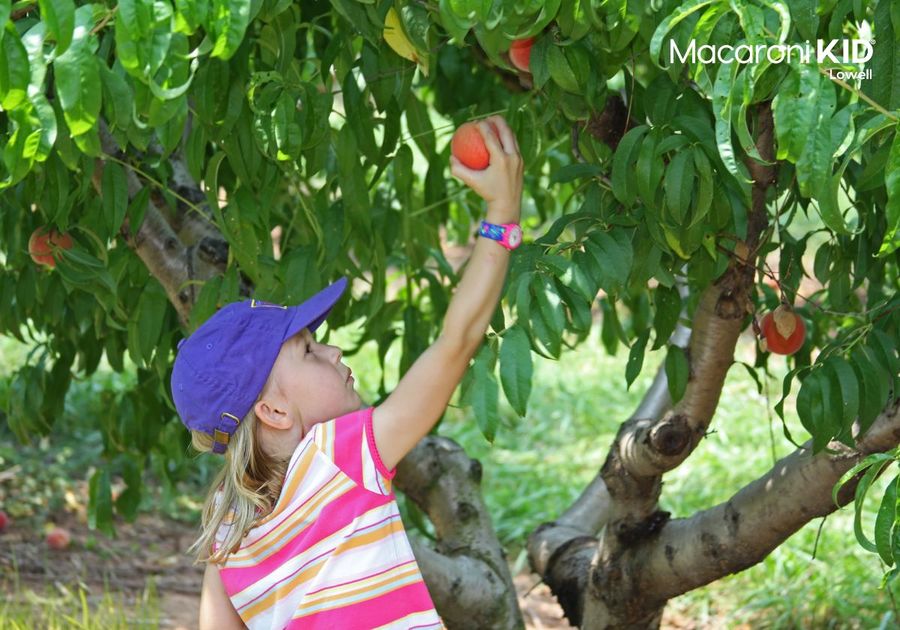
x=412, y=409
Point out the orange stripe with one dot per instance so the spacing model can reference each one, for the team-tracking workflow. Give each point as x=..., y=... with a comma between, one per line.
x=326, y=494
x=300, y=470
x=286, y=587
x=361, y=588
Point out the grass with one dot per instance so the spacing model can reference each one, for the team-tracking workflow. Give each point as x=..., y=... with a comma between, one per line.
x=60, y=607
x=538, y=465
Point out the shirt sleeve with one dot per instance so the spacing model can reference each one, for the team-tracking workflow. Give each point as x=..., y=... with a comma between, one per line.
x=353, y=450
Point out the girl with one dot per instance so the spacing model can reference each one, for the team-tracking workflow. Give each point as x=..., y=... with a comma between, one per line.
x=301, y=527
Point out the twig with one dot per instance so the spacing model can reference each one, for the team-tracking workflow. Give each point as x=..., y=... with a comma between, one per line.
x=861, y=95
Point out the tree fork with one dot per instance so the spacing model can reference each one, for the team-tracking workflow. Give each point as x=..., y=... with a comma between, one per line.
x=467, y=573
x=647, y=447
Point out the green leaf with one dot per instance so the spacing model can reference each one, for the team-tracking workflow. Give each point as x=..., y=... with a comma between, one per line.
x=59, y=16
x=705, y=188
x=356, y=15
x=614, y=255
x=892, y=211
x=884, y=86
x=723, y=91
x=114, y=189
x=143, y=36
x=100, y=502
x=516, y=368
x=190, y=14
x=574, y=171
x=14, y=71
x=874, y=385
x=679, y=185
x=684, y=10
x=868, y=461
x=5, y=10
x=484, y=393
x=359, y=118
x=754, y=375
x=649, y=169
x=844, y=378
x=677, y=372
x=804, y=14
x=814, y=166
x=809, y=402
x=885, y=521
x=150, y=317
x=668, y=308
x=227, y=24
x=548, y=322
x=539, y=62
x=873, y=469
x=420, y=126
x=624, y=183
x=350, y=177
x=456, y=25
x=561, y=71
x=636, y=358
x=130, y=498
x=78, y=84
x=886, y=351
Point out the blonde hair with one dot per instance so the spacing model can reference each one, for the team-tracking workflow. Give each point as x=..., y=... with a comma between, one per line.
x=250, y=482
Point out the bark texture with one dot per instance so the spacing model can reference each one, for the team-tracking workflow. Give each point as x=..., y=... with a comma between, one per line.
x=471, y=584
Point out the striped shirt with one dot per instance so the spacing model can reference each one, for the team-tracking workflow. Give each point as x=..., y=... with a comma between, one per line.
x=333, y=552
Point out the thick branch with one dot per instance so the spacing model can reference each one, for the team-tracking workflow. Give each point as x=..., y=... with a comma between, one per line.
x=741, y=532
x=465, y=585
x=439, y=476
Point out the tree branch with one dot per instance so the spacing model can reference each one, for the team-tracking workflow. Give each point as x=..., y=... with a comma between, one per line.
x=741, y=532
x=440, y=478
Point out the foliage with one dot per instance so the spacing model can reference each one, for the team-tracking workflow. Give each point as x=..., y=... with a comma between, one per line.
x=297, y=114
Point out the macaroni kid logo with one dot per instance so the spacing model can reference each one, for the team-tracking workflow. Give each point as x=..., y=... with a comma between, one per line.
x=838, y=51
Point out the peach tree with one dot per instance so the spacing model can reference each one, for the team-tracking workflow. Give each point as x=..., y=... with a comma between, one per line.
x=690, y=166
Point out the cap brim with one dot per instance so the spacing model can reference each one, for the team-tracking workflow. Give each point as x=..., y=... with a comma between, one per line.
x=311, y=313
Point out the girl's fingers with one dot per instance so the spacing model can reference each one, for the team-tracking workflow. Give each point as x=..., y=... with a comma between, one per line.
x=457, y=169
x=491, y=141
x=507, y=136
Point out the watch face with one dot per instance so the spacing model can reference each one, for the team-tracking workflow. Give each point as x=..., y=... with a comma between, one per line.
x=515, y=236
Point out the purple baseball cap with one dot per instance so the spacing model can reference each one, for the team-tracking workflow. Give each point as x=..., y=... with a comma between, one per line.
x=222, y=367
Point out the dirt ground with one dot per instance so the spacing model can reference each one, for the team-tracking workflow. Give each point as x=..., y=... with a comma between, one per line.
x=153, y=546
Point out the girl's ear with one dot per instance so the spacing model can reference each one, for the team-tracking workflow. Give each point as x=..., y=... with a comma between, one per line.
x=272, y=414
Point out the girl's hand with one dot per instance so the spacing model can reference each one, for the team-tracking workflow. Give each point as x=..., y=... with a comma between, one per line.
x=500, y=184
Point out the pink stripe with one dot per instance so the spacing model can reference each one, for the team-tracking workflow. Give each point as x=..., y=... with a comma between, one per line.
x=371, y=613
x=288, y=577
x=370, y=437
x=333, y=517
x=348, y=432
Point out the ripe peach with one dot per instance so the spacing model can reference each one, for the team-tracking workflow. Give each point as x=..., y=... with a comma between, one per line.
x=783, y=330
x=467, y=145
x=58, y=538
x=45, y=246
x=520, y=53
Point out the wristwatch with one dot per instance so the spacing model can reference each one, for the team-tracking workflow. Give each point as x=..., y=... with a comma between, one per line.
x=508, y=234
